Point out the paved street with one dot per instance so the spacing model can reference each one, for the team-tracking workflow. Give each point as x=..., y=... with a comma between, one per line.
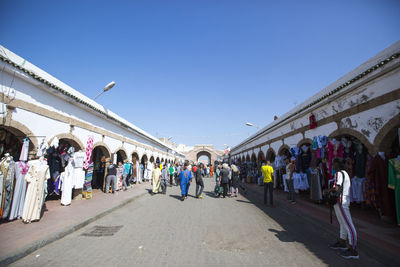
x=160, y=230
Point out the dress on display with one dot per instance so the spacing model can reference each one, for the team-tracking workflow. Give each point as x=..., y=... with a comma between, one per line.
x=7, y=167
x=36, y=177
x=17, y=208
x=394, y=183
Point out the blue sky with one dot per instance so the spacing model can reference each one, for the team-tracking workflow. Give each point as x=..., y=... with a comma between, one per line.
x=199, y=70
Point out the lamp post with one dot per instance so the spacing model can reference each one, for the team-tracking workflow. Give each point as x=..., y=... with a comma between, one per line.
x=106, y=88
x=252, y=125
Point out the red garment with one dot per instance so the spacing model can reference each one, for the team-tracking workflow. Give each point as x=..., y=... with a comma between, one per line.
x=313, y=122
x=378, y=172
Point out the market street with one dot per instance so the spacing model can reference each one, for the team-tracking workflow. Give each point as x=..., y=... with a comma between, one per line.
x=160, y=230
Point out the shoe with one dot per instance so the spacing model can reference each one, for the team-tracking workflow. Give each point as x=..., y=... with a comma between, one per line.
x=338, y=246
x=293, y=202
x=182, y=198
x=200, y=196
x=350, y=254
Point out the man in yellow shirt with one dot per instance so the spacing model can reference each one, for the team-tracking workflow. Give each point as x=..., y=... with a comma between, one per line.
x=268, y=173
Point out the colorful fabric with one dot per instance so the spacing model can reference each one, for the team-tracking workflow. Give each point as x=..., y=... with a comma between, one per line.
x=370, y=195
x=87, y=186
x=89, y=149
x=24, y=151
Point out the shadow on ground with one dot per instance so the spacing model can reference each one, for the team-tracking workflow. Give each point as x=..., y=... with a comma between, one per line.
x=313, y=234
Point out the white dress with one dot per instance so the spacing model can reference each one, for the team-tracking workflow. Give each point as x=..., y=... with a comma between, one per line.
x=37, y=180
x=67, y=183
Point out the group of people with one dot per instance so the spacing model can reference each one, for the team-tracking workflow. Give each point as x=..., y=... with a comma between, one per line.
x=227, y=180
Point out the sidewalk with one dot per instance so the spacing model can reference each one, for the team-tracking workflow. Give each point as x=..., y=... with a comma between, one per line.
x=19, y=239
x=370, y=229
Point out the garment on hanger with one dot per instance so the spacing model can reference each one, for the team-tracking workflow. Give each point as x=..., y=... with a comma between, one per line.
x=359, y=158
x=87, y=187
x=357, y=189
x=7, y=167
x=24, y=151
x=370, y=195
x=17, y=207
x=89, y=150
x=36, y=178
x=394, y=183
x=379, y=172
x=67, y=183
x=335, y=150
x=347, y=148
x=315, y=185
x=78, y=159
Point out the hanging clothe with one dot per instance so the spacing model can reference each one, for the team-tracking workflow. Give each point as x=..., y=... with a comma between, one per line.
x=7, y=167
x=78, y=160
x=87, y=187
x=315, y=185
x=379, y=172
x=89, y=150
x=357, y=189
x=17, y=207
x=370, y=195
x=24, y=151
x=394, y=183
x=36, y=178
x=67, y=184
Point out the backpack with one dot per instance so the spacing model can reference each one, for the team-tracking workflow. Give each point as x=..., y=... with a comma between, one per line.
x=332, y=196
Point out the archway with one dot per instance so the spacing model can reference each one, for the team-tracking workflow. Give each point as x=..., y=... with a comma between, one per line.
x=387, y=140
x=121, y=155
x=271, y=155
x=100, y=154
x=353, y=133
x=11, y=141
x=253, y=158
x=284, y=151
x=203, y=157
x=247, y=158
x=260, y=157
x=69, y=139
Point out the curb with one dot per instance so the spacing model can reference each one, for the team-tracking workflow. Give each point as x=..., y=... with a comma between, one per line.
x=24, y=251
x=384, y=257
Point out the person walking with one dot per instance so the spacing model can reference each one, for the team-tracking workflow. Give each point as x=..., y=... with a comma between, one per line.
x=178, y=172
x=171, y=174
x=268, y=173
x=156, y=176
x=185, y=178
x=211, y=170
x=164, y=179
x=342, y=210
x=289, y=181
x=224, y=179
x=208, y=171
x=235, y=180
x=121, y=177
x=199, y=182
x=111, y=177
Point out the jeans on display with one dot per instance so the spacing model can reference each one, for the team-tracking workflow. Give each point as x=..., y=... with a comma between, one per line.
x=112, y=178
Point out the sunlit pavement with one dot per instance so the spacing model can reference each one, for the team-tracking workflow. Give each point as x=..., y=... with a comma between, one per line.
x=161, y=230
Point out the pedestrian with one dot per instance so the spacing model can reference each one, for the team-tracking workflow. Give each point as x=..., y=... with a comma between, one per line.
x=342, y=210
x=121, y=177
x=289, y=181
x=199, y=182
x=235, y=180
x=156, y=176
x=111, y=177
x=211, y=170
x=171, y=174
x=128, y=169
x=164, y=179
x=178, y=172
x=224, y=179
x=268, y=173
x=185, y=178
x=208, y=171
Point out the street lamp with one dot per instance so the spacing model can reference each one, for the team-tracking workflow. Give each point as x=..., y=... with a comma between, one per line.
x=107, y=88
x=169, y=138
x=252, y=125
